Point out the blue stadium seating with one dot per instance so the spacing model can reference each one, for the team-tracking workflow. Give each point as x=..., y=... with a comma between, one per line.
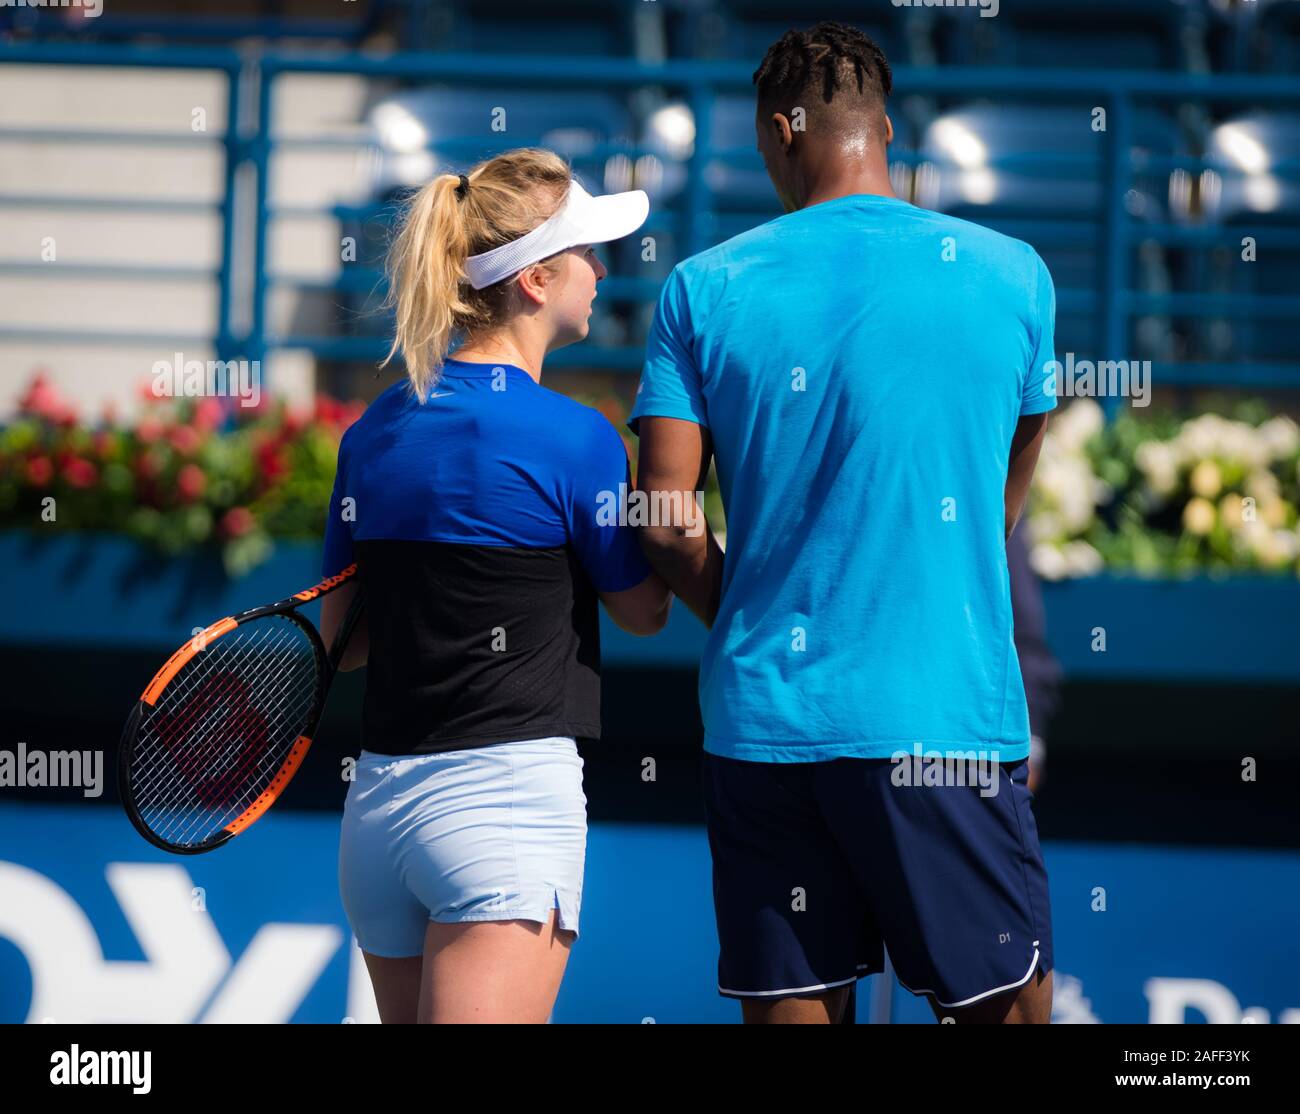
x=1204, y=170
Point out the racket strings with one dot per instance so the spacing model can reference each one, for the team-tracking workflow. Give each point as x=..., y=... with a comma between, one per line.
x=184, y=711
x=201, y=758
x=221, y=730
x=222, y=754
x=228, y=737
x=181, y=696
x=181, y=713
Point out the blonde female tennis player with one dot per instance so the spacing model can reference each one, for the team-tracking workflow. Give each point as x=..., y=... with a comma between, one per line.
x=471, y=499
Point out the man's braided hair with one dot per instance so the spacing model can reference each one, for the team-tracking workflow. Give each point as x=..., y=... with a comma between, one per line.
x=825, y=59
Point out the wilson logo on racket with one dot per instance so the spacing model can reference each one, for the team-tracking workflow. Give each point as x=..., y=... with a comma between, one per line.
x=226, y=722
x=243, y=733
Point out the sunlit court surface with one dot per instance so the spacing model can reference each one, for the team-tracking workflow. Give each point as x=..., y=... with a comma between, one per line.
x=650, y=512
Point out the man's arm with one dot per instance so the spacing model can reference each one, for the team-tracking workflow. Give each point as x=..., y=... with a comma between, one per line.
x=1025, y=444
x=672, y=464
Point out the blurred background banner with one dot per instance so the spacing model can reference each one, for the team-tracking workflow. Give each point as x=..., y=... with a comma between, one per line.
x=195, y=201
x=257, y=933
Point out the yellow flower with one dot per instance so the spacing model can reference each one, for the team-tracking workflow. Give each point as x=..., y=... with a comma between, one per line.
x=1206, y=479
x=1274, y=512
x=1230, y=507
x=1262, y=484
x=1198, y=516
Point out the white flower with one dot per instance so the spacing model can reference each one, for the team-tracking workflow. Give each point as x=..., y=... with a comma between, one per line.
x=1265, y=544
x=1159, y=463
x=1261, y=485
x=1068, y=486
x=1044, y=526
x=1243, y=442
x=1198, y=438
x=1081, y=559
x=1078, y=508
x=1081, y=421
x=1049, y=562
x=1280, y=436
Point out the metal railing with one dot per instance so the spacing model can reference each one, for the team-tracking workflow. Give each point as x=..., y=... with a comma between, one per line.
x=245, y=280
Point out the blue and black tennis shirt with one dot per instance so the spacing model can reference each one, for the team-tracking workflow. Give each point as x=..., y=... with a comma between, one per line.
x=475, y=522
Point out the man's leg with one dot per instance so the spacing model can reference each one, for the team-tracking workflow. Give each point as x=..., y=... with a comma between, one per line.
x=792, y=923
x=1030, y=1005
x=828, y=1008
x=949, y=860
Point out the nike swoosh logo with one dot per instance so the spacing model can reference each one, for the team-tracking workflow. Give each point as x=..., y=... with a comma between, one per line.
x=443, y=394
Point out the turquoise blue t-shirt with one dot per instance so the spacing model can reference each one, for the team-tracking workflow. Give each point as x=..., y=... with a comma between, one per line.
x=861, y=365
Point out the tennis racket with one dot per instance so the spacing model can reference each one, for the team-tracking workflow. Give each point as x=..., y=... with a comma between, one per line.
x=227, y=721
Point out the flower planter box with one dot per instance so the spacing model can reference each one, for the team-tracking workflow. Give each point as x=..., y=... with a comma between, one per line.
x=101, y=590
x=1238, y=628
x=104, y=590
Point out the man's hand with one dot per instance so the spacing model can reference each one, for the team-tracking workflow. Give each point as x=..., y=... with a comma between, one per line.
x=672, y=464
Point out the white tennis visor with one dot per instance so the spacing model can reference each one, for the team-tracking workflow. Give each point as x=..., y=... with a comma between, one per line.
x=582, y=219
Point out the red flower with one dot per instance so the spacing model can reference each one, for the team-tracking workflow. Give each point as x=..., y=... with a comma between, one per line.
x=327, y=410
x=79, y=472
x=42, y=400
x=39, y=471
x=270, y=461
x=148, y=465
x=185, y=439
x=237, y=522
x=149, y=430
x=295, y=423
x=207, y=414
x=191, y=482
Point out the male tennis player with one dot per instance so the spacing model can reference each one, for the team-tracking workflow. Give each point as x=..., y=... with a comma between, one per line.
x=870, y=378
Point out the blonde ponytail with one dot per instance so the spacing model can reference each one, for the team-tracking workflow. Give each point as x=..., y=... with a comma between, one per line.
x=507, y=197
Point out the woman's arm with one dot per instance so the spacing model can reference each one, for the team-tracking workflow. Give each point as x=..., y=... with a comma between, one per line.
x=333, y=608
x=640, y=610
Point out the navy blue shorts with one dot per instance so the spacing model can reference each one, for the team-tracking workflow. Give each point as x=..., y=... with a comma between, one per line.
x=818, y=866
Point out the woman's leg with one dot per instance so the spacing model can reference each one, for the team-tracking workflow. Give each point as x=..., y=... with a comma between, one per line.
x=491, y=971
x=397, y=986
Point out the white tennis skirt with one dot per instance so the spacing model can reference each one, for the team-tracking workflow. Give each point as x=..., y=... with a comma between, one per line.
x=493, y=833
